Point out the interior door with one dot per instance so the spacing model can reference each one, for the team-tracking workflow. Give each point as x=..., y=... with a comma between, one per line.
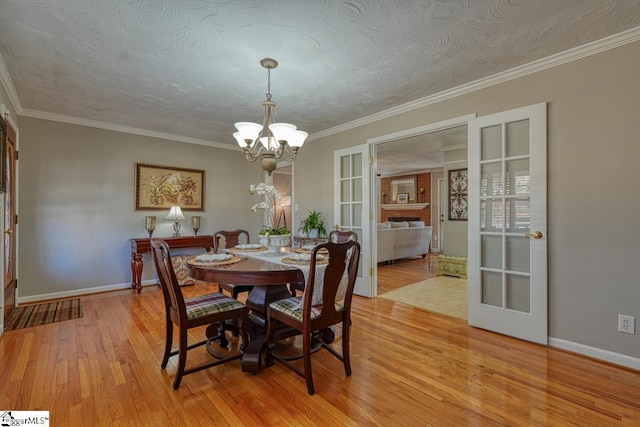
x=351, y=207
x=508, y=223
x=9, y=224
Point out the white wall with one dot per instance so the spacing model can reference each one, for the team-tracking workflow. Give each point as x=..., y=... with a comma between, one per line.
x=455, y=232
x=593, y=227
x=77, y=203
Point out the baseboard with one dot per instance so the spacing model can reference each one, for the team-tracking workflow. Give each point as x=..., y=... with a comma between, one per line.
x=597, y=353
x=79, y=292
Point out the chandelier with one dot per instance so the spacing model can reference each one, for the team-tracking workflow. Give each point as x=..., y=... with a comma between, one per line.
x=270, y=141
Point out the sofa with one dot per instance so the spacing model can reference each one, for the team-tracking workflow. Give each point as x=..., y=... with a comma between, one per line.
x=403, y=239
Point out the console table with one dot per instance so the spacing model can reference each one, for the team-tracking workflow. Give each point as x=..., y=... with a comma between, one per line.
x=140, y=246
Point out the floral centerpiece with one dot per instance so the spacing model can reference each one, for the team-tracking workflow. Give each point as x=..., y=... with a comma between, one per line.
x=270, y=236
x=271, y=197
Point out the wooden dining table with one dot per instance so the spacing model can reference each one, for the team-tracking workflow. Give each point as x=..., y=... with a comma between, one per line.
x=269, y=280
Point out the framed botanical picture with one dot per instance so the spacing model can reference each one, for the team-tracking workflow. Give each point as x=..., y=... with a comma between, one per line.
x=403, y=198
x=158, y=188
x=458, y=195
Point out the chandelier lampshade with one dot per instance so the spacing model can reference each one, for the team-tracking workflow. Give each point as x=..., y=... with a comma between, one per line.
x=270, y=141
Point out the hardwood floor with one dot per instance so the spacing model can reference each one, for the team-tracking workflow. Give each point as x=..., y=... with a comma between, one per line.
x=405, y=272
x=410, y=367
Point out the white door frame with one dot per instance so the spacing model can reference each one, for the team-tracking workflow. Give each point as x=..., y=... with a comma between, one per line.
x=358, y=197
x=373, y=142
x=439, y=214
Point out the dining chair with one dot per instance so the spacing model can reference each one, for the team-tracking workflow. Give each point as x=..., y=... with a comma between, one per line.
x=209, y=309
x=306, y=316
x=231, y=239
x=337, y=236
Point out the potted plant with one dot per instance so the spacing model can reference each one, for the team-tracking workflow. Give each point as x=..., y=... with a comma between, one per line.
x=313, y=225
x=272, y=237
x=275, y=231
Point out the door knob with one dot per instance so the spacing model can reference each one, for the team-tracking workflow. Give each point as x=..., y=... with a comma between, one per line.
x=9, y=231
x=535, y=235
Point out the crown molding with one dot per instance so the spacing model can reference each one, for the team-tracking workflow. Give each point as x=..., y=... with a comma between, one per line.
x=121, y=128
x=570, y=55
x=573, y=54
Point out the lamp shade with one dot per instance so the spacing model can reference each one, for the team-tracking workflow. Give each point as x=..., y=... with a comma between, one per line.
x=288, y=132
x=297, y=139
x=282, y=131
x=247, y=130
x=175, y=213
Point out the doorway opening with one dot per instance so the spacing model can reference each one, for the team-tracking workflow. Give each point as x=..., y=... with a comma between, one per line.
x=426, y=153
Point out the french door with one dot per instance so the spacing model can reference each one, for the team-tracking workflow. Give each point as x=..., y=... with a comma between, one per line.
x=507, y=161
x=351, y=207
x=9, y=209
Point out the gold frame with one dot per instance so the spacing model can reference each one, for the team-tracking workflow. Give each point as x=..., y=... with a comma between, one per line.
x=157, y=188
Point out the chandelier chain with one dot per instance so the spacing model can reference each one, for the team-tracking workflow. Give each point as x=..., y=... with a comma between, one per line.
x=268, y=84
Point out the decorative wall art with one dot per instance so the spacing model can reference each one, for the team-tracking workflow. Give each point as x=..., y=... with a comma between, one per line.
x=458, y=194
x=403, y=198
x=160, y=187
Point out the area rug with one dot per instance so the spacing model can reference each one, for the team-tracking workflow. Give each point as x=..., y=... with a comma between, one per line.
x=442, y=294
x=41, y=314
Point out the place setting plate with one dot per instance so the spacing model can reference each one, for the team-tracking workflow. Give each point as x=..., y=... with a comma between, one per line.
x=304, y=259
x=213, y=260
x=306, y=249
x=250, y=247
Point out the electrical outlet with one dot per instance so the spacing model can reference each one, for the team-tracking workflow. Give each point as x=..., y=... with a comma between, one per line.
x=626, y=324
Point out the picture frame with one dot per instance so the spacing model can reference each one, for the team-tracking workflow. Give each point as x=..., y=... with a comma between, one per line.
x=403, y=198
x=157, y=188
x=458, y=194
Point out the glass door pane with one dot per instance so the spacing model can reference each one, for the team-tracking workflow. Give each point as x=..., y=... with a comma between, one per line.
x=507, y=160
x=505, y=215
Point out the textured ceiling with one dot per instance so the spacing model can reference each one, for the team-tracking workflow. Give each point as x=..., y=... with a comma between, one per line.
x=191, y=67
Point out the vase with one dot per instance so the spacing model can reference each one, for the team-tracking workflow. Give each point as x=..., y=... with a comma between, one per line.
x=275, y=242
x=186, y=199
x=313, y=233
x=156, y=200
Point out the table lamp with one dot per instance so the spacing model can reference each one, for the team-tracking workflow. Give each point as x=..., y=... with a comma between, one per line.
x=175, y=214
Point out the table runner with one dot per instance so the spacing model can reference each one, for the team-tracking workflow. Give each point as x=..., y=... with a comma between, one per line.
x=319, y=278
